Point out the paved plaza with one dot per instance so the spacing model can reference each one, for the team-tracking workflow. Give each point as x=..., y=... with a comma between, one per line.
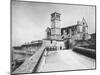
x=65, y=60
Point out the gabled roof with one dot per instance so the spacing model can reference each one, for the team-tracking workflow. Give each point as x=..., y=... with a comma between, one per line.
x=83, y=22
x=70, y=26
x=55, y=13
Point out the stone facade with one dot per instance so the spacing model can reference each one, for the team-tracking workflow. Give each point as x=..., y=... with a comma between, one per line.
x=54, y=33
x=66, y=35
x=78, y=31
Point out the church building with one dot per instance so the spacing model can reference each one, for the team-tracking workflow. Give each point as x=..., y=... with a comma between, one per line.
x=79, y=31
x=54, y=33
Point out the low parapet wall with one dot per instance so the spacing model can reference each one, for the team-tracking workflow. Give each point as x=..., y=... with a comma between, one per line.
x=87, y=52
x=31, y=63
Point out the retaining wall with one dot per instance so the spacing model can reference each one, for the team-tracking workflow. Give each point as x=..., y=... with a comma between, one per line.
x=87, y=52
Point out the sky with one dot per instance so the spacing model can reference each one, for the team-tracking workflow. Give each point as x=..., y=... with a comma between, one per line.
x=30, y=19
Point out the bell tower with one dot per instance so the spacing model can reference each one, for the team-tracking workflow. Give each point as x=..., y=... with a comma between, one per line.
x=55, y=26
